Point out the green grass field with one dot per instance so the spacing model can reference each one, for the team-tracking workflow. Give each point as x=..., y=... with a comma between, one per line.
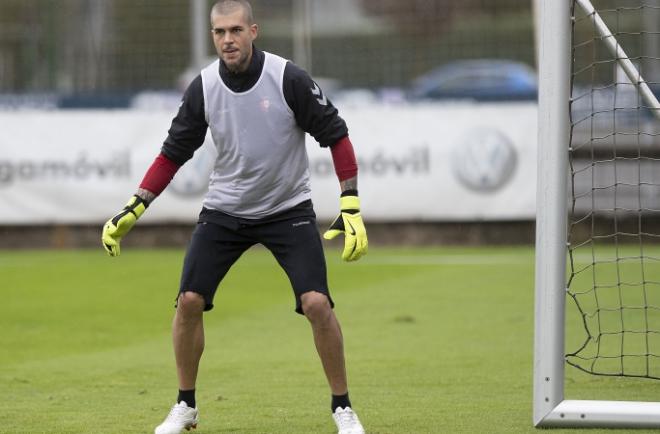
x=437, y=341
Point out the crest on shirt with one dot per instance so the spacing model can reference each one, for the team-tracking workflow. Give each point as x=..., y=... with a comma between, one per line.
x=264, y=104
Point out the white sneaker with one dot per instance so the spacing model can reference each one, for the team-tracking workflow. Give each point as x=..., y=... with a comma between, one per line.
x=347, y=421
x=181, y=417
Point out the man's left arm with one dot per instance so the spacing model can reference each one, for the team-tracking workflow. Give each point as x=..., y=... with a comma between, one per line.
x=349, y=221
x=316, y=115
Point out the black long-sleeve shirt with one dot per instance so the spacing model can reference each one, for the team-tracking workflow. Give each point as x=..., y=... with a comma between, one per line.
x=314, y=113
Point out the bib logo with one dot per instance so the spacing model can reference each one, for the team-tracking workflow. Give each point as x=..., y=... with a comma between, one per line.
x=192, y=179
x=484, y=160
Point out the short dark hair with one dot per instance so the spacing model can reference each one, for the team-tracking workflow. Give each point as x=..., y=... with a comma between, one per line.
x=224, y=7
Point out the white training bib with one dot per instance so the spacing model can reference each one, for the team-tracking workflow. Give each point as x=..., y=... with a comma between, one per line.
x=262, y=166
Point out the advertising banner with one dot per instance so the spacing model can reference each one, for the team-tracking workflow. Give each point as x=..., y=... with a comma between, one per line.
x=458, y=162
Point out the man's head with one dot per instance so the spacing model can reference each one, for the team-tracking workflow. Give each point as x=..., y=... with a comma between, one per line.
x=233, y=28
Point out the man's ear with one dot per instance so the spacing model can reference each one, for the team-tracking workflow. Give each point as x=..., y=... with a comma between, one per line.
x=254, y=29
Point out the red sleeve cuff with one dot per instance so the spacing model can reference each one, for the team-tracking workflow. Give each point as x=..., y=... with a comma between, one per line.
x=159, y=175
x=344, y=160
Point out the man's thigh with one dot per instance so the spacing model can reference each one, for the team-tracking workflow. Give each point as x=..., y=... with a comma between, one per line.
x=213, y=249
x=296, y=244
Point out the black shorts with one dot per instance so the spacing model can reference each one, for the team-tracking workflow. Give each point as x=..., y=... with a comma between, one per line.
x=219, y=240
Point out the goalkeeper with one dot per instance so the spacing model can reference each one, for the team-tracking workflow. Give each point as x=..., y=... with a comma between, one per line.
x=258, y=107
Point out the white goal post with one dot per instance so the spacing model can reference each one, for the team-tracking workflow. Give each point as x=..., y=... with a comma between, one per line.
x=550, y=407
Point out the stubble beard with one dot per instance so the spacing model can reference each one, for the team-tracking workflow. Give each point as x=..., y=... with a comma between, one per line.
x=238, y=66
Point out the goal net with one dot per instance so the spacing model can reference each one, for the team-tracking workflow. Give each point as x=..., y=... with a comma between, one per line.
x=597, y=288
x=614, y=163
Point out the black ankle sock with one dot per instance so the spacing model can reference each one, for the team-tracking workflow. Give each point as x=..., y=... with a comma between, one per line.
x=340, y=401
x=188, y=396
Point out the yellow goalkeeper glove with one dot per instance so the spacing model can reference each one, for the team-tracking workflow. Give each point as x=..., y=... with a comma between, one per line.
x=349, y=222
x=119, y=225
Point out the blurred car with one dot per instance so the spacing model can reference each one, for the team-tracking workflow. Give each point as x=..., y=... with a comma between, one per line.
x=478, y=80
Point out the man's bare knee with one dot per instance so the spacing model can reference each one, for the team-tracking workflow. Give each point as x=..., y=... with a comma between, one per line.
x=315, y=306
x=190, y=303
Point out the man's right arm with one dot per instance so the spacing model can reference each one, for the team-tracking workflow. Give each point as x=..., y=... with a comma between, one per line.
x=185, y=136
x=188, y=129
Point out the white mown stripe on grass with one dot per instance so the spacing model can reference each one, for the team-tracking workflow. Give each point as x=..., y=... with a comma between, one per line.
x=466, y=259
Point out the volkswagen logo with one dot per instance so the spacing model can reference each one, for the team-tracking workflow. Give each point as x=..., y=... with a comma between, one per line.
x=192, y=179
x=484, y=160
